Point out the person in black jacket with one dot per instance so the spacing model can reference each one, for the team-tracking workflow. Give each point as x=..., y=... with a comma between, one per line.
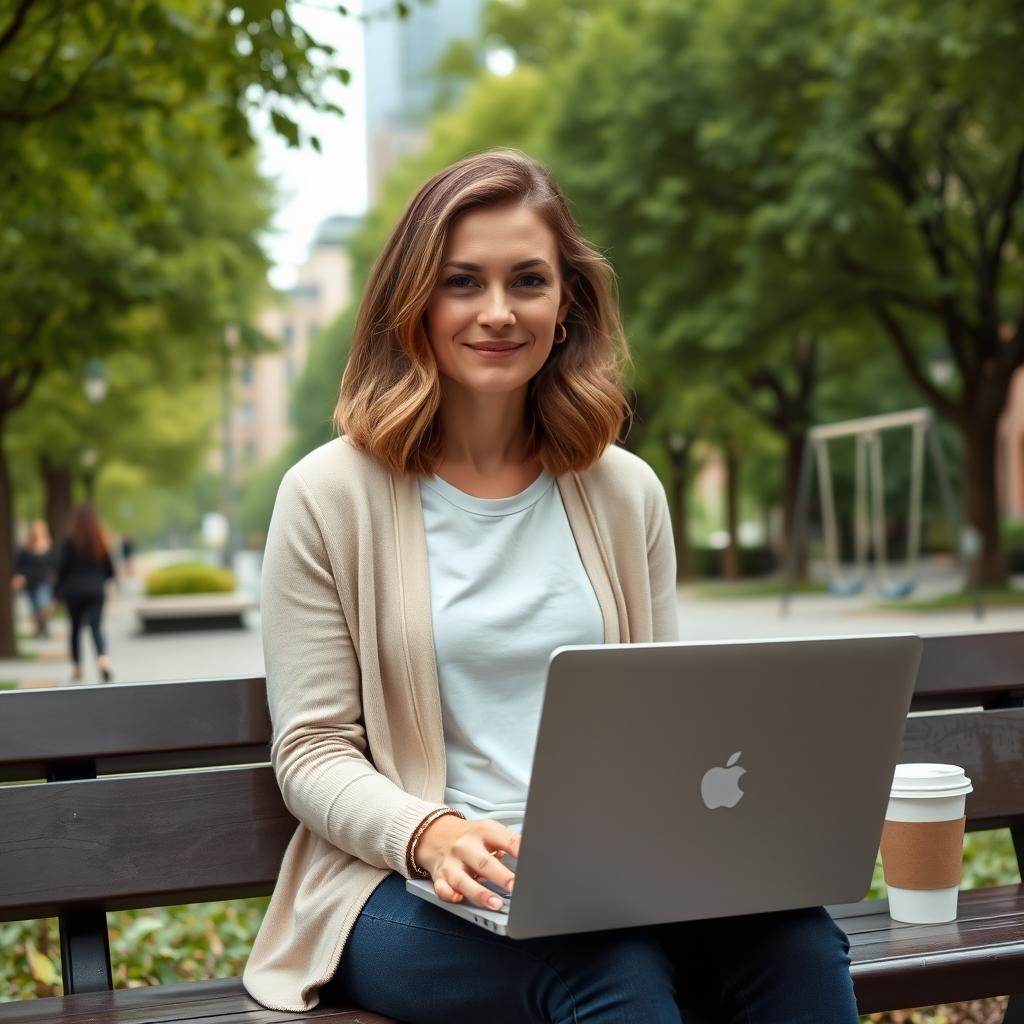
x=33, y=573
x=83, y=568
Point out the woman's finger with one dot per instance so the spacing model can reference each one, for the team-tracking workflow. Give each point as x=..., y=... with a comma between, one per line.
x=463, y=883
x=446, y=892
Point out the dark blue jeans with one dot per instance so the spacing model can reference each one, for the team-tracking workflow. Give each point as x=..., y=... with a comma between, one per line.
x=413, y=961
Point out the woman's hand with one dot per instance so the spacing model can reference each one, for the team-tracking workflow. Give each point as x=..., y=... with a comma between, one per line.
x=17, y=582
x=457, y=853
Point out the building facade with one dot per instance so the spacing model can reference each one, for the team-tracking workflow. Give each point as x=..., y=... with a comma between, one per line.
x=262, y=385
x=400, y=56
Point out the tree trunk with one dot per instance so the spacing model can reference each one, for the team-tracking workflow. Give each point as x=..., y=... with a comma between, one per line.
x=8, y=647
x=731, y=555
x=57, y=496
x=981, y=498
x=795, y=444
x=680, y=461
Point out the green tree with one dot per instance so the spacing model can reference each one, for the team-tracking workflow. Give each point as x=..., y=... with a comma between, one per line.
x=69, y=62
x=153, y=426
x=117, y=122
x=904, y=188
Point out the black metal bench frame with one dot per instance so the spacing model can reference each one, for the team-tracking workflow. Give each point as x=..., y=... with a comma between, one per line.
x=124, y=820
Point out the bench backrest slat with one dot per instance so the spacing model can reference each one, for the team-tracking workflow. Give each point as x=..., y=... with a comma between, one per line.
x=970, y=666
x=181, y=718
x=122, y=721
x=140, y=841
x=989, y=745
x=137, y=841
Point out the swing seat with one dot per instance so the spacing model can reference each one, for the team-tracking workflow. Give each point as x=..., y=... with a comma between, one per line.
x=845, y=588
x=897, y=591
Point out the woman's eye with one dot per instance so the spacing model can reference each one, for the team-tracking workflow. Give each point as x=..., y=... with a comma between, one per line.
x=539, y=282
x=459, y=281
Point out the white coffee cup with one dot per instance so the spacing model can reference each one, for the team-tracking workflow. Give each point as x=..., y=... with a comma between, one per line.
x=922, y=842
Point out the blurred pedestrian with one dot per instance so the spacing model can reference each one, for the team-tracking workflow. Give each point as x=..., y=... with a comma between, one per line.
x=34, y=570
x=127, y=553
x=83, y=568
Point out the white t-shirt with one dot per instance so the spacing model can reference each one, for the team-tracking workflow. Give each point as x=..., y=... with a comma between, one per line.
x=506, y=588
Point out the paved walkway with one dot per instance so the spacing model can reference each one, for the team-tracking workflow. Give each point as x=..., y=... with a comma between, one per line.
x=140, y=658
x=144, y=658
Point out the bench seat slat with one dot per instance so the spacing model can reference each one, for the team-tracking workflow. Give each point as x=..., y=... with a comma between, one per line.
x=903, y=965
x=223, y=1001
x=140, y=841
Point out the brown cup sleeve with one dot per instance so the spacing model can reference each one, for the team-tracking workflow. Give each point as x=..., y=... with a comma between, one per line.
x=923, y=854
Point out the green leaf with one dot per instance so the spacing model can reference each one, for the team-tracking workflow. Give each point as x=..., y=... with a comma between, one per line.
x=41, y=966
x=285, y=127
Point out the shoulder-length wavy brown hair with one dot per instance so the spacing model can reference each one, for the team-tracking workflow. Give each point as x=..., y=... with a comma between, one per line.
x=390, y=392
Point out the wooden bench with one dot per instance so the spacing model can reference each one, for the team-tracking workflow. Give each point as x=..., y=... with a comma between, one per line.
x=158, y=794
x=125, y=821
x=981, y=954
x=175, y=613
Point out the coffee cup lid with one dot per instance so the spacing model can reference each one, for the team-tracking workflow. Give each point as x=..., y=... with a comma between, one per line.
x=930, y=780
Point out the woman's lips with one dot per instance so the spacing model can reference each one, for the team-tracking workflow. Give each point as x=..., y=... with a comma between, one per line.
x=497, y=350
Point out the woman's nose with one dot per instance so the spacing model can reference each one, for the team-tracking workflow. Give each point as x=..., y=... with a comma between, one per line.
x=497, y=310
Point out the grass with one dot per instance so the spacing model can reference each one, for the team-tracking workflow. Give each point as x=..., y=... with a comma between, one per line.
x=8, y=684
x=757, y=588
x=994, y=597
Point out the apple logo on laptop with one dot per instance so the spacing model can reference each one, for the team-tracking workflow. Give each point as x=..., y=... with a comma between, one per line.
x=720, y=787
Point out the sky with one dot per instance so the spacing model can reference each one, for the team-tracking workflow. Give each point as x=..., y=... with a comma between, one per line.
x=311, y=185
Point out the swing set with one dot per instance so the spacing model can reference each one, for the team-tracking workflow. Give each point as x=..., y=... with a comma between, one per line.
x=869, y=526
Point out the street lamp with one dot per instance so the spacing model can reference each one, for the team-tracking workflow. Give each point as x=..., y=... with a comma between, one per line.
x=90, y=459
x=94, y=384
x=231, y=338
x=94, y=381
x=676, y=442
x=939, y=367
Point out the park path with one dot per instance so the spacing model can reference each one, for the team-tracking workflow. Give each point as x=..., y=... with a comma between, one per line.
x=145, y=658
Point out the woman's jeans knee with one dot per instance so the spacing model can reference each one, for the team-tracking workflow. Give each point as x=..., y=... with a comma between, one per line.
x=418, y=963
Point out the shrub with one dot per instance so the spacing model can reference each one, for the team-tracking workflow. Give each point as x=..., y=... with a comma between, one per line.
x=754, y=561
x=190, y=578
x=1013, y=544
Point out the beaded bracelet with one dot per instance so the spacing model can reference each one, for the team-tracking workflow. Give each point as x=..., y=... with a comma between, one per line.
x=415, y=871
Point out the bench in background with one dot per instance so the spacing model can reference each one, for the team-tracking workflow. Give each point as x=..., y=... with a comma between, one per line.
x=174, y=613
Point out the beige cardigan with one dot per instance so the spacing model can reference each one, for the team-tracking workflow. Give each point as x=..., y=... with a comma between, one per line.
x=358, y=747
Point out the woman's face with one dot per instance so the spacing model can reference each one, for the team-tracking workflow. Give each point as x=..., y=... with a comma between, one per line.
x=499, y=287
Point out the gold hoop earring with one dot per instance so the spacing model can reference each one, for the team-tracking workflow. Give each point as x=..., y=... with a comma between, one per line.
x=565, y=334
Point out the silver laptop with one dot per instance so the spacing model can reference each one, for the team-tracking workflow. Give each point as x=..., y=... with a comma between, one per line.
x=679, y=781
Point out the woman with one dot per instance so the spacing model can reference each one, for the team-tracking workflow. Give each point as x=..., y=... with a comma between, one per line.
x=83, y=568
x=33, y=573
x=419, y=570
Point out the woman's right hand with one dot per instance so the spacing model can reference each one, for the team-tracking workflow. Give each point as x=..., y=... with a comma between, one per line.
x=458, y=852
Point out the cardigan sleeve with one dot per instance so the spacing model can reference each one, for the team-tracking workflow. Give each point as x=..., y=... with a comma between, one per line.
x=319, y=748
x=661, y=562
